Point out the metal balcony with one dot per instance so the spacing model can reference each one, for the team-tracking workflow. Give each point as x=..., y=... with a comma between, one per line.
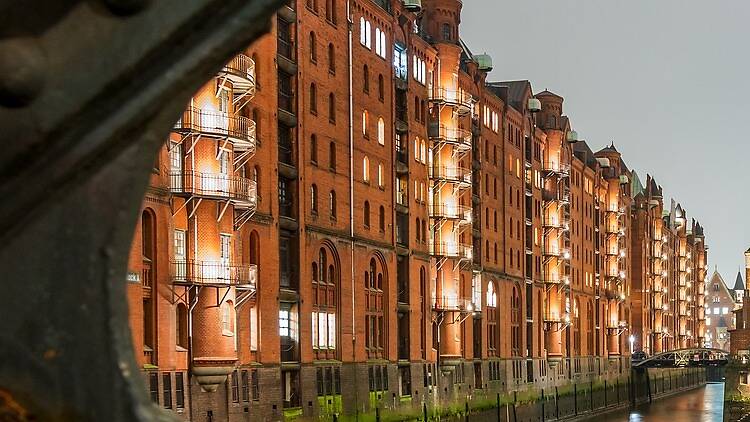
x=240, y=71
x=218, y=124
x=458, y=175
x=451, y=304
x=451, y=212
x=240, y=190
x=214, y=274
x=451, y=250
x=555, y=169
x=459, y=138
x=462, y=101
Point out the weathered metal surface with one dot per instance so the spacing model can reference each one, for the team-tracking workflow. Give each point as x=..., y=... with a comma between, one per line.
x=88, y=91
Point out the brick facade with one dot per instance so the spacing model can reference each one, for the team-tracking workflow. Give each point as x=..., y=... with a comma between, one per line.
x=350, y=216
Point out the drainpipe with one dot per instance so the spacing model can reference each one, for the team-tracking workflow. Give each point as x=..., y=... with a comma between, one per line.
x=350, y=23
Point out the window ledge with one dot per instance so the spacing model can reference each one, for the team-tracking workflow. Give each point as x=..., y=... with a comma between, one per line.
x=227, y=333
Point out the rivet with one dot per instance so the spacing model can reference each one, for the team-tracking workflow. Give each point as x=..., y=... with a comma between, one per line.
x=22, y=65
x=126, y=7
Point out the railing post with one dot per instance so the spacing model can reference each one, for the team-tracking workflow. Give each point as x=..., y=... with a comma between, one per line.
x=617, y=383
x=591, y=399
x=498, y=407
x=557, y=406
x=575, y=398
x=542, y=401
x=424, y=411
x=605, y=393
x=377, y=414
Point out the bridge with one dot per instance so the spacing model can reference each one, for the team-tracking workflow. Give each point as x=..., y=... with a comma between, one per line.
x=682, y=358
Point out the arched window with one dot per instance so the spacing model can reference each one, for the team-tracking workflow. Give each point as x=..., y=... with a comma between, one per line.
x=313, y=99
x=418, y=230
x=256, y=179
x=254, y=249
x=314, y=149
x=368, y=34
x=257, y=72
x=366, y=217
x=493, y=338
x=366, y=79
x=313, y=48
x=515, y=322
x=381, y=177
x=332, y=107
x=332, y=203
x=331, y=56
x=366, y=169
x=325, y=303
x=181, y=331
x=375, y=324
x=381, y=131
x=148, y=252
x=381, y=88
x=332, y=156
x=227, y=318
x=362, y=31
x=365, y=123
x=314, y=198
x=381, y=218
x=424, y=231
x=256, y=120
x=447, y=32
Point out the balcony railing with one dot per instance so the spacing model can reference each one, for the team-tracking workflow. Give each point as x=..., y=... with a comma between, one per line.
x=214, y=274
x=561, y=169
x=215, y=185
x=452, y=303
x=240, y=130
x=451, y=250
x=458, y=137
x=241, y=71
x=452, y=212
x=459, y=175
x=460, y=99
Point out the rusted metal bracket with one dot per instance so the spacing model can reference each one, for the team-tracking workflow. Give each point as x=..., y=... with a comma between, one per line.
x=88, y=92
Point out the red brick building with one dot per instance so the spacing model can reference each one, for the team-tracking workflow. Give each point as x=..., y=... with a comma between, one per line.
x=350, y=216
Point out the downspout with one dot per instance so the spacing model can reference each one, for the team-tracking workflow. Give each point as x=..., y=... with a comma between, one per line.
x=350, y=23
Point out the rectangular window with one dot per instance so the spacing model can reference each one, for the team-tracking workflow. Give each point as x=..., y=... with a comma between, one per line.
x=255, y=384
x=235, y=387
x=153, y=386
x=167, y=388
x=179, y=390
x=245, y=387
x=179, y=244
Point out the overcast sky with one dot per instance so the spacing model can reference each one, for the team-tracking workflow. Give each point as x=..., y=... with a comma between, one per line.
x=666, y=80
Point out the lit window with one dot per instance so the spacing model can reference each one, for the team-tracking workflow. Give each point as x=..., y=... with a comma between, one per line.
x=368, y=34
x=708, y=321
x=724, y=311
x=381, y=181
x=491, y=295
x=381, y=131
x=366, y=169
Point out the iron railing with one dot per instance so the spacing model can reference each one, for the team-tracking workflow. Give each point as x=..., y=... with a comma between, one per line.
x=217, y=124
x=451, y=303
x=241, y=66
x=451, y=250
x=458, y=175
x=451, y=212
x=240, y=189
x=459, y=137
x=455, y=97
x=214, y=273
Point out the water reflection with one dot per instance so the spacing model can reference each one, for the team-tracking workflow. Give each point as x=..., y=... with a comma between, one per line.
x=701, y=405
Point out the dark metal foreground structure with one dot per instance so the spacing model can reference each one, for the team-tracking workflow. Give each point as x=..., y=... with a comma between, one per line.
x=88, y=92
x=682, y=358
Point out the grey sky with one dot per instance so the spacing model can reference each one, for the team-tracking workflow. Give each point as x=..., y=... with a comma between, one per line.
x=667, y=80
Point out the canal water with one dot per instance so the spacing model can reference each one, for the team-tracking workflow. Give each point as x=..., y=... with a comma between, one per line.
x=700, y=405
